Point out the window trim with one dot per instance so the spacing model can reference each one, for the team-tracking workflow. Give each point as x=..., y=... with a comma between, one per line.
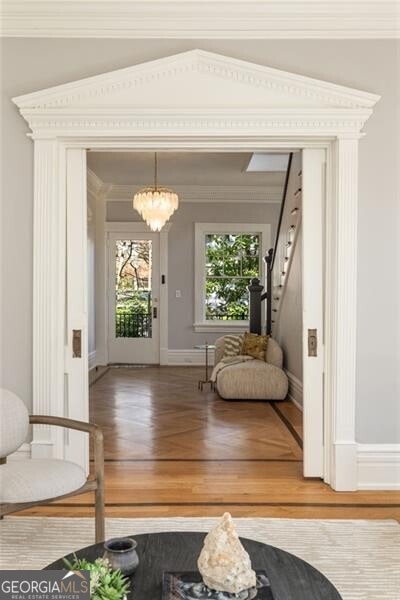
x=201, y=230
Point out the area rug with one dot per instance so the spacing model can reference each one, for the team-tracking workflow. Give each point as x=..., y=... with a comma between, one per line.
x=361, y=558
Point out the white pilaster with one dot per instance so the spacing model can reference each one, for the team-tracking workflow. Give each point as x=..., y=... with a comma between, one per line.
x=343, y=333
x=48, y=294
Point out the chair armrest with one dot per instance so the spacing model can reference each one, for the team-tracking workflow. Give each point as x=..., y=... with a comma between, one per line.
x=63, y=422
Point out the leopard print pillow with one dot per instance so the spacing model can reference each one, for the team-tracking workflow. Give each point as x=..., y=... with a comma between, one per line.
x=255, y=345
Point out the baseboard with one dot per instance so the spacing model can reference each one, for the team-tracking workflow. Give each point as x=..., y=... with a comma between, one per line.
x=23, y=453
x=92, y=360
x=163, y=356
x=96, y=373
x=192, y=357
x=378, y=466
x=344, y=460
x=295, y=390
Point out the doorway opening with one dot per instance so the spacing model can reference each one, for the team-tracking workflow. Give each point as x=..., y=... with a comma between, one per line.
x=195, y=275
x=224, y=103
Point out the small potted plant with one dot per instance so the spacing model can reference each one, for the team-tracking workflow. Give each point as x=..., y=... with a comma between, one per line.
x=105, y=583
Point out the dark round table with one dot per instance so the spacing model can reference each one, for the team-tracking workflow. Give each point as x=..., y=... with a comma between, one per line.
x=291, y=578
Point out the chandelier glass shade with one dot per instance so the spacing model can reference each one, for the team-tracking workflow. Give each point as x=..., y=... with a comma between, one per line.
x=155, y=204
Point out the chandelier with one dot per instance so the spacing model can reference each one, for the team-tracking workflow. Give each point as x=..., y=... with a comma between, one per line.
x=155, y=204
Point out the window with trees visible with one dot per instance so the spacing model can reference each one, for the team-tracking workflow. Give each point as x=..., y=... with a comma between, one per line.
x=227, y=258
x=232, y=260
x=133, y=260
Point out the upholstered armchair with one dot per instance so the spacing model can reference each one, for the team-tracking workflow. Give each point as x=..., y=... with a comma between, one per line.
x=28, y=483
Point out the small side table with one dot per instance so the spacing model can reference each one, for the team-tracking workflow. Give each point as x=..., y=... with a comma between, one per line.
x=205, y=347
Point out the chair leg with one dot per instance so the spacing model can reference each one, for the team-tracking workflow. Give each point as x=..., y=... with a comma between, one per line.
x=99, y=513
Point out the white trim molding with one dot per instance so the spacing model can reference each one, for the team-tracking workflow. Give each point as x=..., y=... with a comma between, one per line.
x=340, y=381
x=206, y=193
x=49, y=256
x=224, y=104
x=92, y=360
x=378, y=466
x=295, y=390
x=190, y=19
x=200, y=232
x=142, y=100
x=221, y=327
x=132, y=226
x=189, y=358
x=95, y=186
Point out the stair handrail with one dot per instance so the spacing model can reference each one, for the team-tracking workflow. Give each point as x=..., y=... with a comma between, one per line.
x=256, y=297
x=284, y=194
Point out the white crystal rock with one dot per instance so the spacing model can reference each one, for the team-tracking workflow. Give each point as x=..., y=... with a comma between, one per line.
x=223, y=562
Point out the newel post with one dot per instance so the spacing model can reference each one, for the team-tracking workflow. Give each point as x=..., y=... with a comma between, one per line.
x=269, y=266
x=255, y=290
x=48, y=294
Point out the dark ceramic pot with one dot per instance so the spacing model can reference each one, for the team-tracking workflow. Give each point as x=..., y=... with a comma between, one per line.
x=121, y=553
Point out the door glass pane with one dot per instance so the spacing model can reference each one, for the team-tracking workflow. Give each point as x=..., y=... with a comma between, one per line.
x=133, y=302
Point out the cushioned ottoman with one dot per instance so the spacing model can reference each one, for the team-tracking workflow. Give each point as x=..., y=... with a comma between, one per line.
x=252, y=380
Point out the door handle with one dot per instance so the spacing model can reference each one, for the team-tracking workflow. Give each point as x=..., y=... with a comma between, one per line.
x=155, y=312
x=77, y=343
x=312, y=342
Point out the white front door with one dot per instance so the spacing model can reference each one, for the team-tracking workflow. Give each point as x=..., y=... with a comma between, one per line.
x=133, y=297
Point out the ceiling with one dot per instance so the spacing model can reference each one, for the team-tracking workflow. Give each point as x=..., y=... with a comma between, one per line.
x=181, y=168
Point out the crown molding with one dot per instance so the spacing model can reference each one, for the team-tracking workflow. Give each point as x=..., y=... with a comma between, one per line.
x=205, y=193
x=195, y=19
x=111, y=192
x=137, y=124
x=95, y=185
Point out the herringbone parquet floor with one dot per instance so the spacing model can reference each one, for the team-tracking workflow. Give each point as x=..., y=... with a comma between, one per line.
x=157, y=413
x=171, y=450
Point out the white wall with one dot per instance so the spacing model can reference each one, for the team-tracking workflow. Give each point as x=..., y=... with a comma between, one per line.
x=181, y=256
x=287, y=328
x=31, y=64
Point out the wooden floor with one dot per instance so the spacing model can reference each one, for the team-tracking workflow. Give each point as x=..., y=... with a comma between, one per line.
x=172, y=450
x=158, y=413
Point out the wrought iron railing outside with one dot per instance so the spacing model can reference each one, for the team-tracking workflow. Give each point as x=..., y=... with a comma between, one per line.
x=244, y=316
x=133, y=325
